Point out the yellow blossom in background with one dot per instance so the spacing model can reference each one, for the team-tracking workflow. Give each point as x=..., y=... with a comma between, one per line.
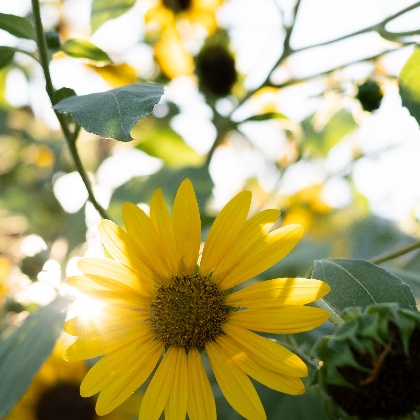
x=166, y=13
x=161, y=310
x=54, y=394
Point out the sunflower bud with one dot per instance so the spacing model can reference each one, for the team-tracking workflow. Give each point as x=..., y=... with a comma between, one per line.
x=370, y=366
x=370, y=95
x=216, y=69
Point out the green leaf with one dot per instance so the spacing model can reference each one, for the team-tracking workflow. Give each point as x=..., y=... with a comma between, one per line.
x=265, y=117
x=25, y=350
x=103, y=10
x=409, y=84
x=170, y=147
x=17, y=26
x=82, y=48
x=6, y=55
x=361, y=283
x=63, y=93
x=320, y=140
x=112, y=114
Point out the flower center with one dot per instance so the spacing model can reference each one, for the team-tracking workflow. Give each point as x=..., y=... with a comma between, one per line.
x=63, y=401
x=177, y=5
x=188, y=312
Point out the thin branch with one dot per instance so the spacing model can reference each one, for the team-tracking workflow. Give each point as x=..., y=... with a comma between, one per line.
x=69, y=136
x=405, y=249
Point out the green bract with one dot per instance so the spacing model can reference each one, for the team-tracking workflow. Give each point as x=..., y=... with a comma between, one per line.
x=370, y=366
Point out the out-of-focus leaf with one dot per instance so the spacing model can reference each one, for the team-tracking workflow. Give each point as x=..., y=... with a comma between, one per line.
x=112, y=114
x=117, y=75
x=82, y=48
x=103, y=10
x=166, y=144
x=265, y=117
x=6, y=55
x=409, y=84
x=17, y=26
x=323, y=139
x=361, y=283
x=25, y=350
x=139, y=190
x=373, y=236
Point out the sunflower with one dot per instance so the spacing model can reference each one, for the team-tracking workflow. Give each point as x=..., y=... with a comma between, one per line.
x=162, y=310
x=54, y=394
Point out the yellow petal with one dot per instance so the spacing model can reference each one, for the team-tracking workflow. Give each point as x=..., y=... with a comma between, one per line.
x=105, y=267
x=103, y=321
x=264, y=253
x=122, y=297
x=130, y=379
x=287, y=320
x=282, y=383
x=187, y=226
x=122, y=248
x=176, y=407
x=113, y=365
x=266, y=353
x=201, y=403
x=160, y=387
x=235, y=384
x=161, y=218
x=144, y=234
x=252, y=231
x=225, y=231
x=277, y=292
x=90, y=347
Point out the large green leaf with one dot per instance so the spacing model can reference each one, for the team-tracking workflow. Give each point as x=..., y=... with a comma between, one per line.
x=103, y=10
x=409, y=84
x=361, y=283
x=25, y=350
x=17, y=26
x=112, y=114
x=82, y=48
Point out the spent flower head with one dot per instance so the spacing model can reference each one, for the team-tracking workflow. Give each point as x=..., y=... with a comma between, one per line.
x=370, y=366
x=165, y=306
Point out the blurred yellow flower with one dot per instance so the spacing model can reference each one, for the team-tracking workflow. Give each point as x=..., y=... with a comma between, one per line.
x=160, y=309
x=167, y=12
x=54, y=394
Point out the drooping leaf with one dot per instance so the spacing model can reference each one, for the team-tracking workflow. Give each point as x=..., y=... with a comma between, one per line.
x=112, y=114
x=6, y=55
x=17, y=26
x=25, y=350
x=171, y=147
x=103, y=10
x=82, y=48
x=361, y=283
x=409, y=84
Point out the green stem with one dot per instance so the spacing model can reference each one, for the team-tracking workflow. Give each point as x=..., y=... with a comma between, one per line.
x=335, y=317
x=397, y=253
x=69, y=136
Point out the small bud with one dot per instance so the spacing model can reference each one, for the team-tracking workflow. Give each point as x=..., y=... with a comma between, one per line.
x=53, y=40
x=216, y=70
x=370, y=95
x=370, y=366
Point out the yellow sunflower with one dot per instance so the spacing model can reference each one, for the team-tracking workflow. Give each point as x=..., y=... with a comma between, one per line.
x=164, y=307
x=54, y=394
